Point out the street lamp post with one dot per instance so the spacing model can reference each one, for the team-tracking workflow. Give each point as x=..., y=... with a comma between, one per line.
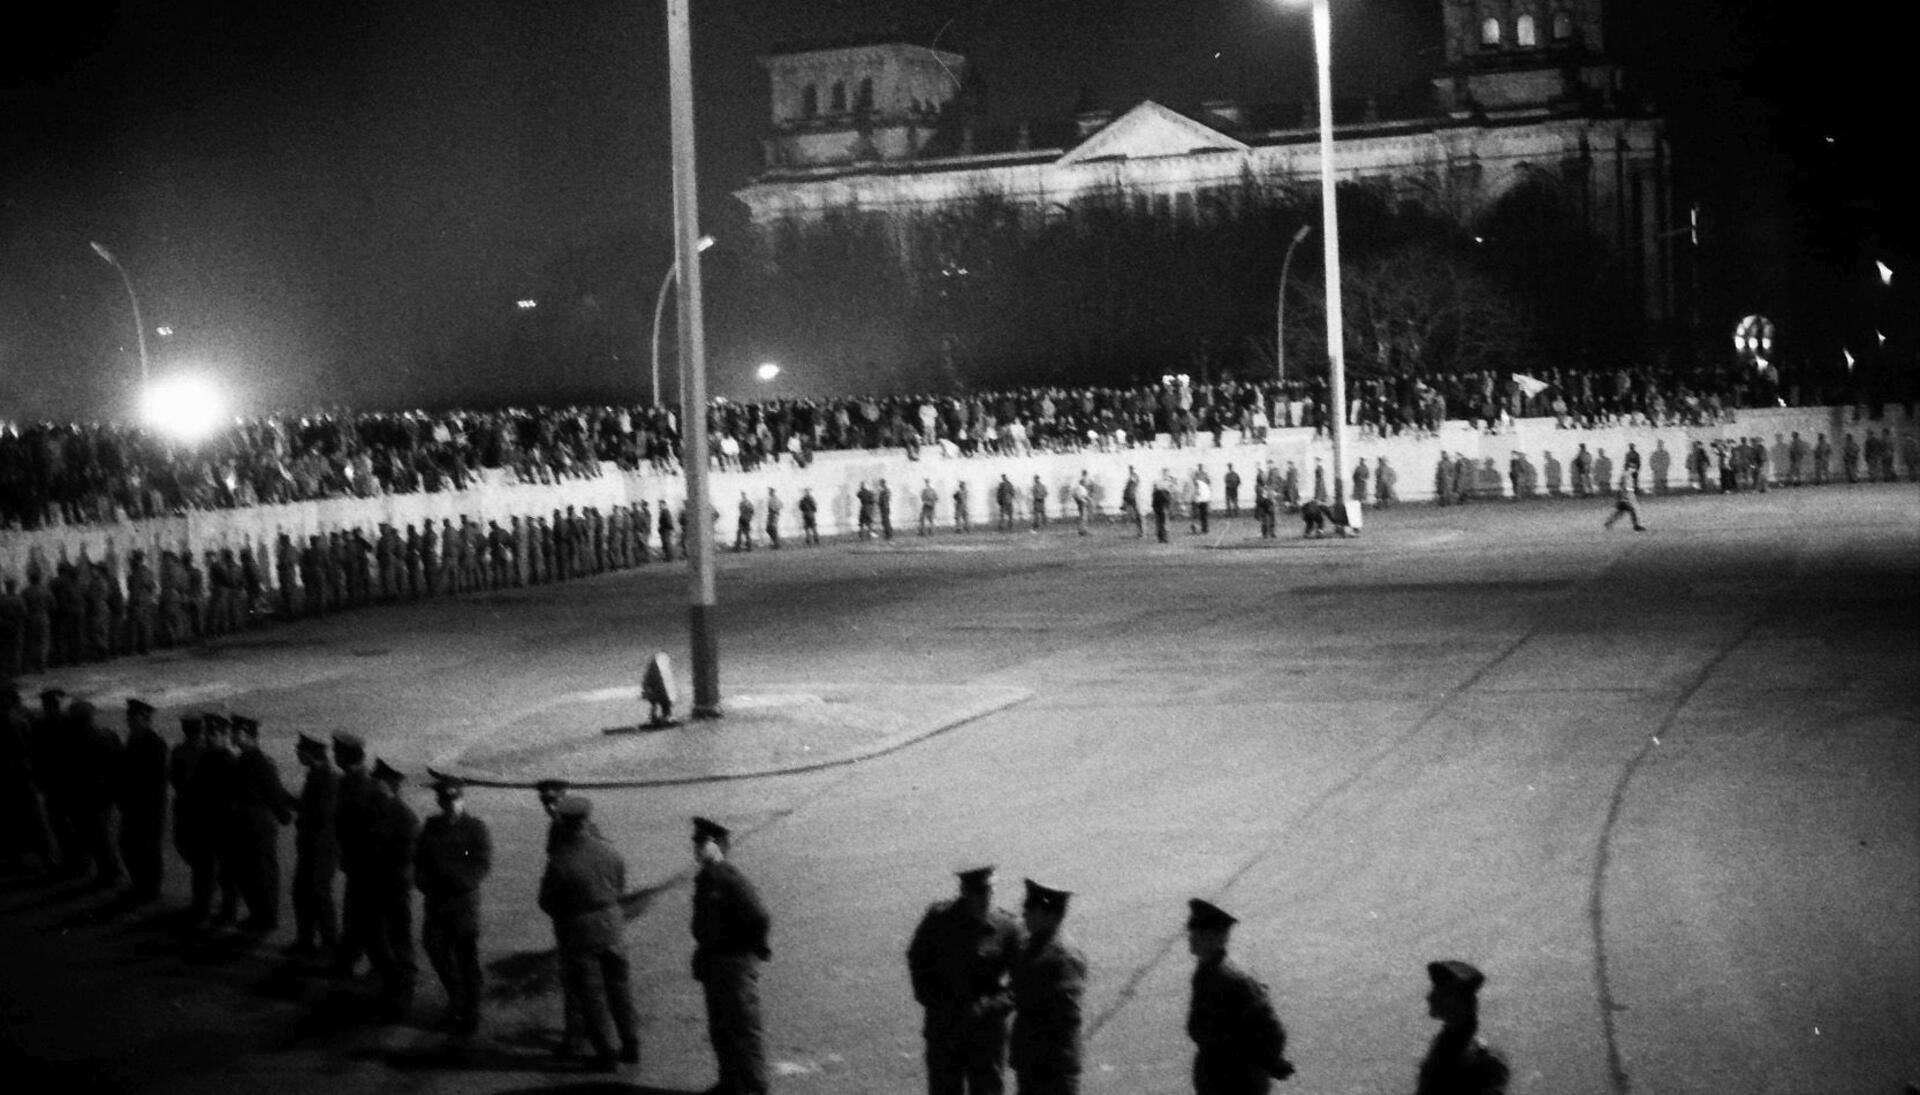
x=659, y=306
x=1330, y=241
x=139, y=326
x=1280, y=323
x=698, y=524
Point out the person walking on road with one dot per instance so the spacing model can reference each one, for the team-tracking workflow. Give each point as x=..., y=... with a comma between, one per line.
x=730, y=928
x=959, y=962
x=1626, y=505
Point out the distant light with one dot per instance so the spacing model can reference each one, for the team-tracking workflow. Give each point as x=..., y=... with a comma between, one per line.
x=704, y=242
x=1886, y=272
x=163, y=331
x=1882, y=336
x=767, y=371
x=1849, y=354
x=527, y=304
x=1479, y=239
x=185, y=408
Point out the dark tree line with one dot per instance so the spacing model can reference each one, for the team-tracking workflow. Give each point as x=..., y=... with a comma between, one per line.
x=1117, y=289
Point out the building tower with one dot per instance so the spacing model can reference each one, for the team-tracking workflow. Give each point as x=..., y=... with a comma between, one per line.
x=1508, y=57
x=877, y=102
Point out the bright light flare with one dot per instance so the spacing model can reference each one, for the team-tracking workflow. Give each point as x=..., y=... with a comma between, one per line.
x=1886, y=272
x=767, y=371
x=185, y=408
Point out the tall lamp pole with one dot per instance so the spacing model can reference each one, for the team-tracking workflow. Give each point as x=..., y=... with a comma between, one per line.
x=698, y=524
x=660, y=306
x=1280, y=323
x=1330, y=240
x=139, y=326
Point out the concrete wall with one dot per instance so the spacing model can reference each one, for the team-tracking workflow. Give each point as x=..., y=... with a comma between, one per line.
x=835, y=477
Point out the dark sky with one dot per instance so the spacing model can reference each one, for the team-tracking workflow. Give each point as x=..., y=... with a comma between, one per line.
x=326, y=200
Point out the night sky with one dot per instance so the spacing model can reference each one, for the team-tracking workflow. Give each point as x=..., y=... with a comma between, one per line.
x=339, y=203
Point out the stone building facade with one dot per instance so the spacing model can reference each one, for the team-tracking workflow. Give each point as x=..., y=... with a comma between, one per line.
x=1528, y=96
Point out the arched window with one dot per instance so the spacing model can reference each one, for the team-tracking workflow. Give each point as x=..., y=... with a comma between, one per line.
x=1562, y=26
x=1490, y=32
x=838, y=101
x=1523, y=35
x=809, y=101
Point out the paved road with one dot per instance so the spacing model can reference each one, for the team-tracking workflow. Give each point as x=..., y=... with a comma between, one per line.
x=1664, y=787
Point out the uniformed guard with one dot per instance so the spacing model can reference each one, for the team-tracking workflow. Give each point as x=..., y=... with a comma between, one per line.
x=1239, y=1045
x=730, y=927
x=1048, y=981
x=959, y=962
x=1458, y=1062
x=143, y=803
x=352, y=813
x=261, y=805
x=316, y=842
x=580, y=891
x=96, y=773
x=454, y=854
x=204, y=811
x=385, y=857
x=573, y=1027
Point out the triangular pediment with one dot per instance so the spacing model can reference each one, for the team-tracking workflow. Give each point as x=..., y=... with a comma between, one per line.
x=1147, y=131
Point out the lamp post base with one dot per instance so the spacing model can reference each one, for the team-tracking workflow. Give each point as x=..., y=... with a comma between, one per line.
x=706, y=663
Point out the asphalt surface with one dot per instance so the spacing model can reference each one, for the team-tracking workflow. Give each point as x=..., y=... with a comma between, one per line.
x=1664, y=787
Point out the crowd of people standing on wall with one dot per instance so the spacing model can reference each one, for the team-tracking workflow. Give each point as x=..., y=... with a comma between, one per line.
x=69, y=473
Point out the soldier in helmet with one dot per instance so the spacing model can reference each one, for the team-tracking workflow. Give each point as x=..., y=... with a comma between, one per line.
x=1239, y=1044
x=959, y=962
x=1049, y=980
x=1458, y=1062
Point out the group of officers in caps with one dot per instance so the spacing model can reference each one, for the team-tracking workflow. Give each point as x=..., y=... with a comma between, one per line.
x=976, y=971
x=67, y=777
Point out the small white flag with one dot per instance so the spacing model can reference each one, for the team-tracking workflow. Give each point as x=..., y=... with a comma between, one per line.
x=1531, y=385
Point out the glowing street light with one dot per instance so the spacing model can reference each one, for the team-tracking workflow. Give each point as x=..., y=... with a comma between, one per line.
x=767, y=371
x=1886, y=272
x=185, y=408
x=139, y=327
x=660, y=304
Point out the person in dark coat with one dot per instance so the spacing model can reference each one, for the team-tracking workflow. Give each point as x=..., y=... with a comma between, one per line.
x=25, y=809
x=50, y=749
x=1239, y=1045
x=261, y=804
x=1162, y=499
x=573, y=1024
x=1048, y=982
x=730, y=929
x=1458, y=1062
x=580, y=892
x=452, y=857
x=353, y=811
x=385, y=864
x=143, y=803
x=316, y=844
x=205, y=811
x=95, y=779
x=959, y=962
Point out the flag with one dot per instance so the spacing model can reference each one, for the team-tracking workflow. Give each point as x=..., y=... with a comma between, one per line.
x=1530, y=385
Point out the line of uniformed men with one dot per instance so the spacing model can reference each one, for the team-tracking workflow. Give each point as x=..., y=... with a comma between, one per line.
x=973, y=966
